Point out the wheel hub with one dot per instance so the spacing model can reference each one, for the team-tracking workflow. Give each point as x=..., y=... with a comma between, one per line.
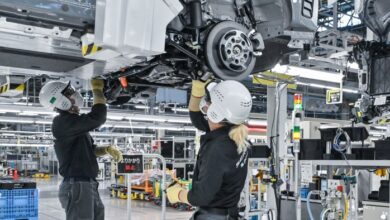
x=229, y=51
x=235, y=50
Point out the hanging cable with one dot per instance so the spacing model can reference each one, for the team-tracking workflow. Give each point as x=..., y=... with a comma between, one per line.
x=313, y=192
x=342, y=149
x=336, y=141
x=323, y=214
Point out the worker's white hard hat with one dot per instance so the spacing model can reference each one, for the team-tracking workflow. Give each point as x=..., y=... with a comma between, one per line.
x=55, y=94
x=230, y=102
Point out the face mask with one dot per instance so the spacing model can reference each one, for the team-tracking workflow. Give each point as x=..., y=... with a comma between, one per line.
x=75, y=96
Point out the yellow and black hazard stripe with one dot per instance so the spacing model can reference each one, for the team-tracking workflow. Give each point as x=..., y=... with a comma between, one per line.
x=90, y=49
x=4, y=88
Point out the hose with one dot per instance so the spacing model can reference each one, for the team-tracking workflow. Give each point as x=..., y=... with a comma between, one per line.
x=346, y=211
x=323, y=213
x=308, y=202
x=336, y=141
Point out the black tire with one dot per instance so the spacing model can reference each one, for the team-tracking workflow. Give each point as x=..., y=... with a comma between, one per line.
x=214, y=59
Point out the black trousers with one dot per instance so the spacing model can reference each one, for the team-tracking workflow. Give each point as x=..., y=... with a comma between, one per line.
x=204, y=214
x=81, y=200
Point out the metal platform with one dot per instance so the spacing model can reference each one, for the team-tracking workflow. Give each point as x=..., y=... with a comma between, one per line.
x=353, y=163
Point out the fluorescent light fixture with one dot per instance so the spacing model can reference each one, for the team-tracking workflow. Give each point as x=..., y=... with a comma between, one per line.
x=320, y=86
x=255, y=122
x=9, y=111
x=157, y=127
x=25, y=145
x=145, y=118
x=22, y=103
x=186, y=128
x=43, y=122
x=327, y=87
x=114, y=117
x=351, y=91
x=32, y=112
x=376, y=134
x=141, y=107
x=179, y=120
x=164, y=128
x=181, y=110
x=380, y=127
x=21, y=121
x=308, y=73
x=8, y=134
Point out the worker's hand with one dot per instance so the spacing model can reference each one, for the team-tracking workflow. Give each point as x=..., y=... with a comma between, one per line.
x=97, y=84
x=198, y=88
x=199, y=80
x=381, y=172
x=173, y=193
x=115, y=153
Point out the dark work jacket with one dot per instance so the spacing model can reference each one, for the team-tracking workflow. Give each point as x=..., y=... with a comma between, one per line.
x=74, y=145
x=220, y=172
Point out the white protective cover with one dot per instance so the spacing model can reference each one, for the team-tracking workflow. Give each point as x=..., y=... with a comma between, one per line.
x=134, y=27
x=230, y=100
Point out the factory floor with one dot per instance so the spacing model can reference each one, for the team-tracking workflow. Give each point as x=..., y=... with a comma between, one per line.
x=50, y=208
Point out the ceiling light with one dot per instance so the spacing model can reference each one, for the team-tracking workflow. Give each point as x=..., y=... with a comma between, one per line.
x=141, y=107
x=21, y=121
x=319, y=86
x=179, y=120
x=39, y=112
x=113, y=117
x=255, y=122
x=8, y=134
x=327, y=87
x=9, y=111
x=144, y=118
x=351, y=91
x=25, y=145
x=23, y=103
x=353, y=65
x=181, y=110
x=308, y=73
x=43, y=122
x=380, y=127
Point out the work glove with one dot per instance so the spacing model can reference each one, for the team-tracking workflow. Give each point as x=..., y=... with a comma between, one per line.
x=111, y=150
x=381, y=172
x=114, y=153
x=173, y=193
x=97, y=86
x=199, y=82
x=198, y=88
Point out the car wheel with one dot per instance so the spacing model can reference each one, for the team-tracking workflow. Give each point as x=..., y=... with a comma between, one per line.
x=229, y=51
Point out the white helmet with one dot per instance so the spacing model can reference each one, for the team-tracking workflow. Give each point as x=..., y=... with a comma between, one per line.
x=55, y=94
x=230, y=101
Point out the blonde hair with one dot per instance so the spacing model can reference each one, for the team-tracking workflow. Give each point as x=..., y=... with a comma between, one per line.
x=239, y=134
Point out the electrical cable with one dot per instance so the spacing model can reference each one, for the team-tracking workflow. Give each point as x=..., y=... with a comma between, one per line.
x=308, y=203
x=323, y=213
x=342, y=148
x=336, y=141
x=346, y=211
x=272, y=214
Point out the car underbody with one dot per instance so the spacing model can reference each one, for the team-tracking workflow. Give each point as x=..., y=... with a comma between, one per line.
x=229, y=38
